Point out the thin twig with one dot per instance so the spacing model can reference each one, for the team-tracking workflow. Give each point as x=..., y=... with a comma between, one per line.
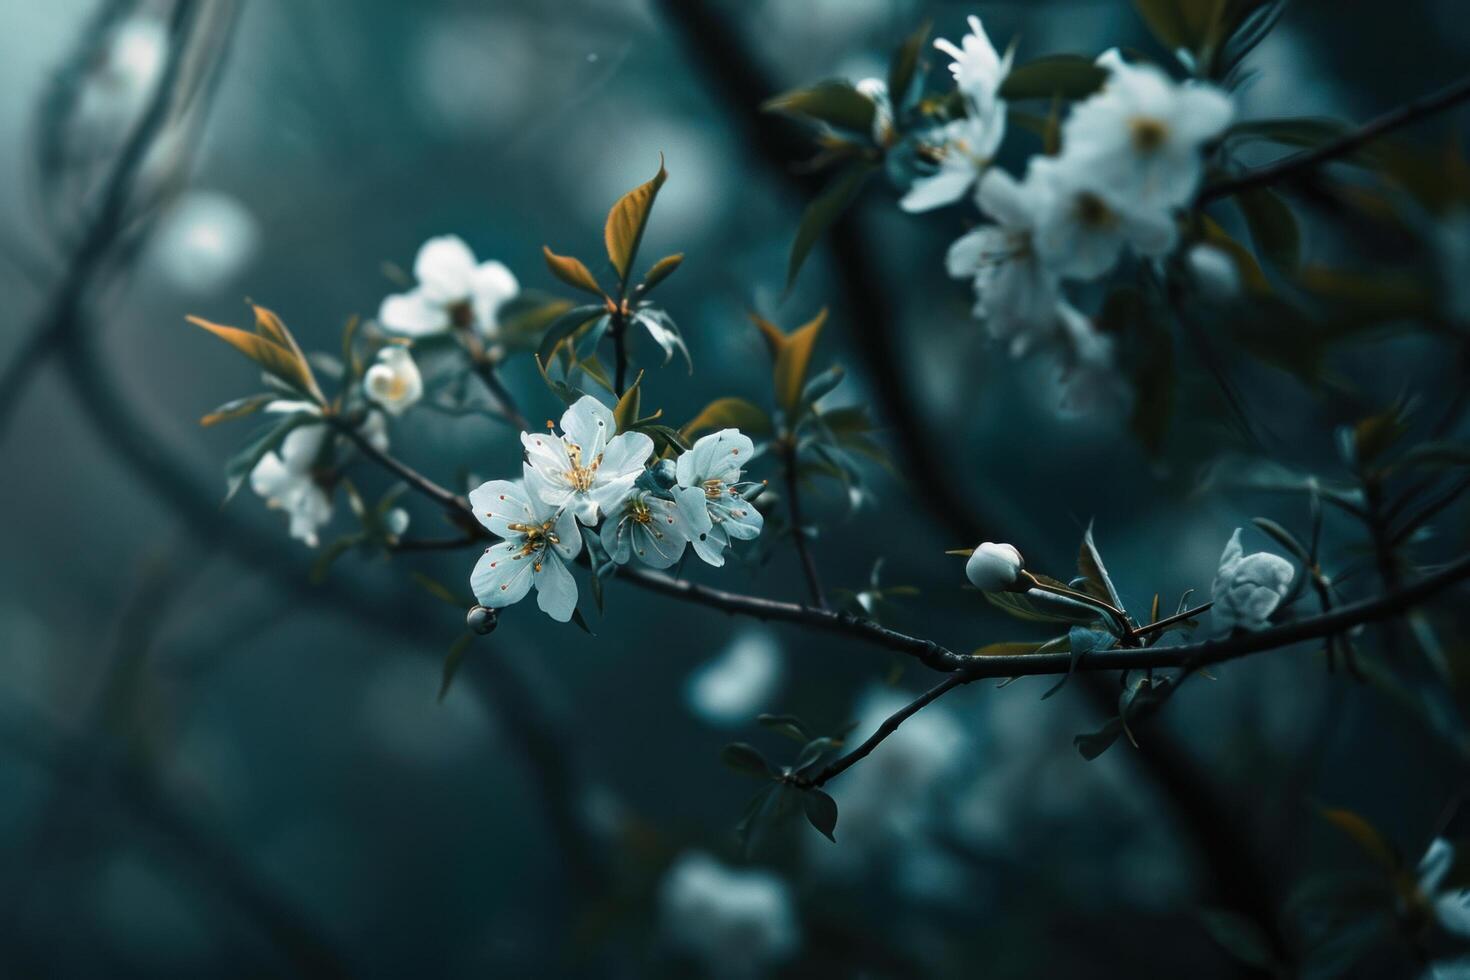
x=1299, y=163
x=889, y=726
x=798, y=529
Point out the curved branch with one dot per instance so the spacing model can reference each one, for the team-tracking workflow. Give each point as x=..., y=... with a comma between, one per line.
x=1299, y=163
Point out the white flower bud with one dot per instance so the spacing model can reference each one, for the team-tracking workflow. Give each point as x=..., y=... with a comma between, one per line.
x=396, y=521
x=394, y=382
x=1214, y=272
x=994, y=567
x=1248, y=588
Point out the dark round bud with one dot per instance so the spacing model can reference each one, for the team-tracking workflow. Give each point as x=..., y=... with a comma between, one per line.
x=665, y=473
x=481, y=620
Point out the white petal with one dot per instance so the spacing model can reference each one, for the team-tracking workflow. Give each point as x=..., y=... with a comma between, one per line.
x=1201, y=113
x=270, y=478
x=739, y=518
x=626, y=453
x=413, y=315
x=302, y=446
x=493, y=286
x=589, y=424
x=1007, y=201
x=500, y=503
x=502, y=577
x=569, y=539
x=937, y=190
x=445, y=269
x=617, y=538
x=710, y=545
x=556, y=590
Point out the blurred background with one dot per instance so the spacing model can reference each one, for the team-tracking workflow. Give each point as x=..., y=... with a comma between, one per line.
x=210, y=765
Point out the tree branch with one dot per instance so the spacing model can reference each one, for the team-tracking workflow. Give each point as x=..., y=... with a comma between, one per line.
x=1299, y=163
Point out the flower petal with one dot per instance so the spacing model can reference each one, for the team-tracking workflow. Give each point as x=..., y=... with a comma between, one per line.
x=939, y=189
x=589, y=424
x=445, y=268
x=500, y=503
x=502, y=576
x=556, y=590
x=412, y=315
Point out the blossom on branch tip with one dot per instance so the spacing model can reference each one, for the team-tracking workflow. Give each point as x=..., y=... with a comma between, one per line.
x=1143, y=132
x=977, y=68
x=709, y=494
x=1083, y=224
x=454, y=290
x=994, y=567
x=394, y=382
x=1248, y=588
x=1450, y=907
x=538, y=541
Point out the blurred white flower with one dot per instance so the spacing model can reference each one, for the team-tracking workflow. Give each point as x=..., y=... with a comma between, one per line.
x=290, y=479
x=1451, y=908
x=1141, y=135
x=394, y=381
x=1215, y=271
x=876, y=89
x=709, y=478
x=288, y=482
x=739, y=683
x=1083, y=225
x=454, y=290
x=1091, y=385
x=123, y=78
x=539, y=541
x=204, y=241
x=963, y=148
x=395, y=522
x=977, y=69
x=737, y=924
x=993, y=567
x=1248, y=588
x=589, y=469
x=1016, y=292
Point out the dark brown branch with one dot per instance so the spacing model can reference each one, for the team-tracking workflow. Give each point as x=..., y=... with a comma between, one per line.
x=889, y=726
x=1299, y=163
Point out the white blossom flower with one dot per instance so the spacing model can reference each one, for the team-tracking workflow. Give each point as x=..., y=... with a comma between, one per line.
x=290, y=479
x=1248, y=588
x=977, y=68
x=454, y=290
x=1016, y=292
x=394, y=381
x=709, y=478
x=287, y=481
x=1142, y=133
x=654, y=529
x=1451, y=908
x=539, y=539
x=738, y=683
x=994, y=567
x=1215, y=271
x=963, y=148
x=123, y=78
x=738, y=924
x=1091, y=385
x=1083, y=224
x=587, y=469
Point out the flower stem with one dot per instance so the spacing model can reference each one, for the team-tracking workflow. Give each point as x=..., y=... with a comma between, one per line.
x=803, y=552
x=1118, y=615
x=620, y=353
x=1171, y=620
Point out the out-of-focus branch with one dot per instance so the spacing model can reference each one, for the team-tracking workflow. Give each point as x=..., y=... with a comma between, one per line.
x=1299, y=164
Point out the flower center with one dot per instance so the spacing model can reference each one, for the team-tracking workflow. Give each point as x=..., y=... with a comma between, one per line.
x=713, y=489
x=639, y=512
x=579, y=477
x=1093, y=212
x=538, y=538
x=1148, y=134
x=462, y=315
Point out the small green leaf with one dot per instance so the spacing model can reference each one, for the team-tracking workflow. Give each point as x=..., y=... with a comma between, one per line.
x=728, y=413
x=627, y=221
x=1273, y=228
x=625, y=413
x=581, y=622
x=661, y=270
x=278, y=361
x=1284, y=537
x=821, y=812
x=1365, y=835
x=745, y=758
x=1065, y=76
x=571, y=271
x=1089, y=562
x=835, y=103
x=788, y=725
x=793, y=360
x=265, y=439
x=238, y=409
x=825, y=209
x=452, y=662
x=905, y=63
x=564, y=326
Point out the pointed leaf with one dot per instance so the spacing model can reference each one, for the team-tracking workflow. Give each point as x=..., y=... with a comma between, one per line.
x=794, y=358
x=278, y=361
x=237, y=409
x=1066, y=76
x=825, y=209
x=728, y=413
x=625, y=413
x=835, y=103
x=905, y=64
x=821, y=812
x=571, y=271
x=661, y=270
x=1273, y=228
x=1365, y=835
x=744, y=758
x=452, y=662
x=627, y=220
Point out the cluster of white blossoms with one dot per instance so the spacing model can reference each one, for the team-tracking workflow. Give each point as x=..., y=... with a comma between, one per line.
x=455, y=290
x=1130, y=159
x=594, y=476
x=300, y=478
x=737, y=924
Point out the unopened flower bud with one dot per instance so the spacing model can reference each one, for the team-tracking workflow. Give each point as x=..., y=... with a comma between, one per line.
x=994, y=567
x=481, y=620
x=665, y=473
